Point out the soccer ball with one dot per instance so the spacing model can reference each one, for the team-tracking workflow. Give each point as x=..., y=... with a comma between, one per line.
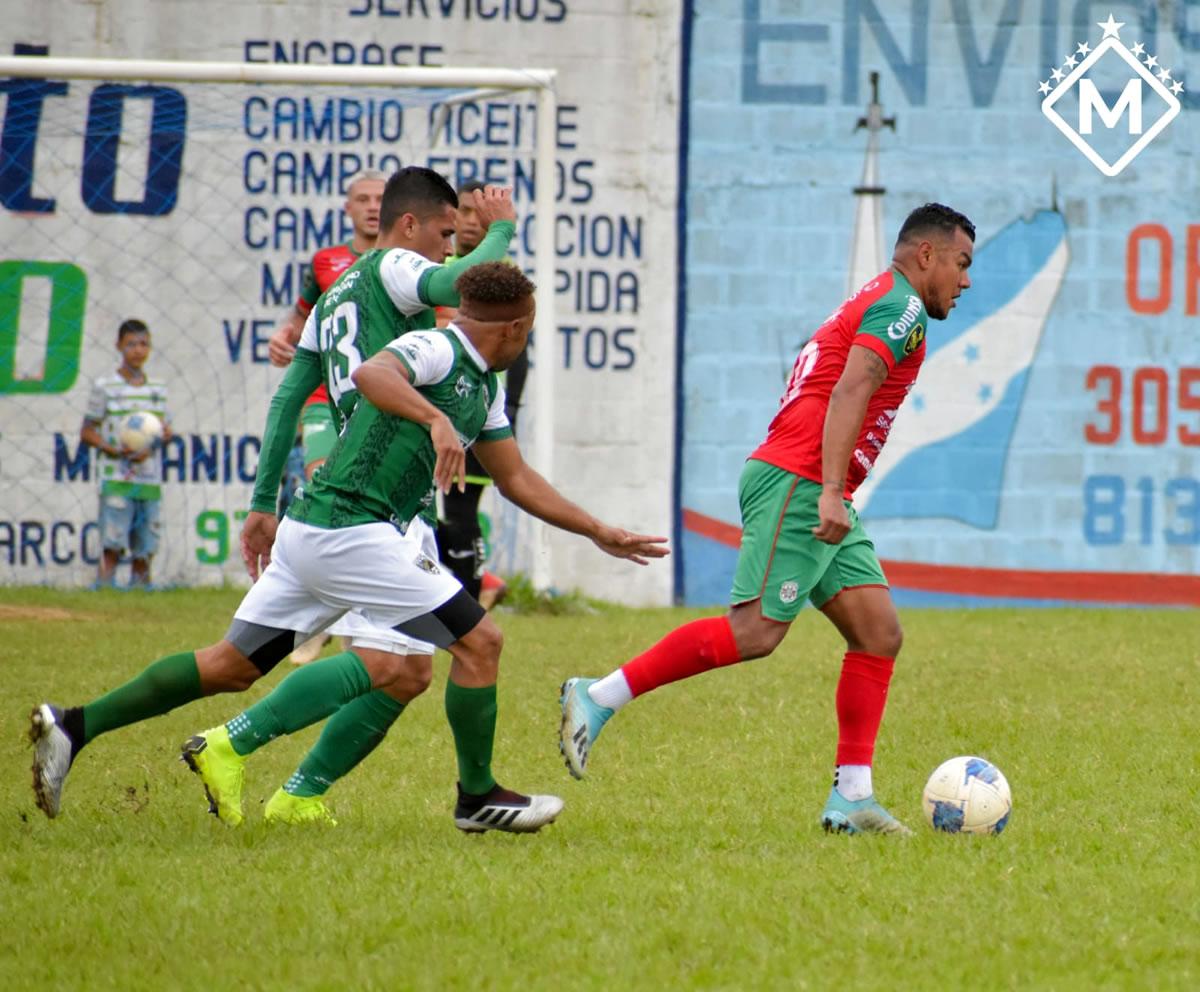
x=140, y=431
x=967, y=795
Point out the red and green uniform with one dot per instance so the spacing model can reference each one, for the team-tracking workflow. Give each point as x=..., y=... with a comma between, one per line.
x=780, y=560
x=317, y=432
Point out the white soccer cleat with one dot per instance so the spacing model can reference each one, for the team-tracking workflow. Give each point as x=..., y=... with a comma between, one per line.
x=51, y=757
x=503, y=809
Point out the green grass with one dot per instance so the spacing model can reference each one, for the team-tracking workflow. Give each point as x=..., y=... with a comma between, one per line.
x=692, y=856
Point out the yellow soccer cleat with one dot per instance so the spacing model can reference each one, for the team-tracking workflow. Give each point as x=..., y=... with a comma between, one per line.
x=283, y=807
x=211, y=756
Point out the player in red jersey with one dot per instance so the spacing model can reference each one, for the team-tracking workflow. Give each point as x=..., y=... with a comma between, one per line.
x=801, y=538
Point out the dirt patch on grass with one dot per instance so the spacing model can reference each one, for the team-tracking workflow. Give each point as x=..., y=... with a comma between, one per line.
x=19, y=613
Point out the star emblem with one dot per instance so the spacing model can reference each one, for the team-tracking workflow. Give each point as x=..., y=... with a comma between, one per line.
x=1151, y=61
x=1111, y=28
x=1164, y=75
x=1043, y=88
x=1071, y=62
x=1083, y=48
x=1056, y=75
x=1177, y=88
x=1139, y=49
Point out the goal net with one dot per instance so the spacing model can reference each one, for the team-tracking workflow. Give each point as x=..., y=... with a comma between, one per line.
x=192, y=196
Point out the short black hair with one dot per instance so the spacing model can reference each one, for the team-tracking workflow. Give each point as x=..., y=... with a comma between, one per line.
x=470, y=186
x=932, y=217
x=414, y=190
x=132, y=326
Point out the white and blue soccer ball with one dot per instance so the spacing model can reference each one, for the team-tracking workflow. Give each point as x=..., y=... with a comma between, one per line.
x=967, y=795
x=140, y=431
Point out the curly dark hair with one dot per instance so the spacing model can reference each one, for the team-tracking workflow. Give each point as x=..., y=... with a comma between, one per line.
x=493, y=284
x=932, y=217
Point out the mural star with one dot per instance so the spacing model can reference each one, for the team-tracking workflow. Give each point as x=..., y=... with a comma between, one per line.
x=1083, y=48
x=1151, y=61
x=1139, y=49
x=1164, y=75
x=1177, y=88
x=1112, y=28
x=1071, y=62
x=1057, y=75
x=1043, y=88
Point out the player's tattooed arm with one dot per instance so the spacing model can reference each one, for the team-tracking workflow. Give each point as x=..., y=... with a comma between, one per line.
x=876, y=368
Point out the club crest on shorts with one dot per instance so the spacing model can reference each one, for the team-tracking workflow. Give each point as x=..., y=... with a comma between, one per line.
x=427, y=564
x=788, y=592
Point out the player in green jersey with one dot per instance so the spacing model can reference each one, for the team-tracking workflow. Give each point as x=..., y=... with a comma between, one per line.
x=424, y=399
x=418, y=223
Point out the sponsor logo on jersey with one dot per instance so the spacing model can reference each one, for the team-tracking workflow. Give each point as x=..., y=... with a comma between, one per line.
x=789, y=592
x=426, y=564
x=897, y=329
x=914, y=340
x=334, y=292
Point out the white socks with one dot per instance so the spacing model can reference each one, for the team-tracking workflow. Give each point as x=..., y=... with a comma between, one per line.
x=613, y=691
x=853, y=781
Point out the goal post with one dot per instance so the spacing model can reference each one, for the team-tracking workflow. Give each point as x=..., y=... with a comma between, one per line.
x=149, y=195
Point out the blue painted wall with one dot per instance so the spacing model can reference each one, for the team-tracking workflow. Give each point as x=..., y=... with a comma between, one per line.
x=1051, y=446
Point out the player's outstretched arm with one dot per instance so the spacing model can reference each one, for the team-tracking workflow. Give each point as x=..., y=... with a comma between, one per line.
x=383, y=381
x=526, y=488
x=302, y=377
x=864, y=373
x=496, y=212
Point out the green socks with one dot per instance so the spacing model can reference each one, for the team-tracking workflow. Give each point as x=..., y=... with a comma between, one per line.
x=307, y=695
x=169, y=682
x=351, y=734
x=472, y=716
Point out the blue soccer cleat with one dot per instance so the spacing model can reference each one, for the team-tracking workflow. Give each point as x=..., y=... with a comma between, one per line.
x=864, y=816
x=582, y=721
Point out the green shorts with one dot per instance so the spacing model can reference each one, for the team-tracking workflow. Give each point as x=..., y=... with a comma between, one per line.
x=780, y=562
x=317, y=432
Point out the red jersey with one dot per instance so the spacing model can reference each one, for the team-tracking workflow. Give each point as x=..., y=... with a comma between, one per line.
x=888, y=317
x=327, y=265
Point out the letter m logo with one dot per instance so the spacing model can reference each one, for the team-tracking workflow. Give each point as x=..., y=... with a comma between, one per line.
x=1090, y=99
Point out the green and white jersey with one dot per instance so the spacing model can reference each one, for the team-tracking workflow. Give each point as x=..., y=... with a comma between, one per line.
x=110, y=401
x=382, y=466
x=374, y=302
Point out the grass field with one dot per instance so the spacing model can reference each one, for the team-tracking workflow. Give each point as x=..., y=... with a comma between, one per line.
x=691, y=858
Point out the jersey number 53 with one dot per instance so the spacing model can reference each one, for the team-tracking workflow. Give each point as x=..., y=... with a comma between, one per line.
x=337, y=339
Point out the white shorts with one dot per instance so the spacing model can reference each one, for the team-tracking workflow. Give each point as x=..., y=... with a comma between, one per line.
x=317, y=575
x=364, y=634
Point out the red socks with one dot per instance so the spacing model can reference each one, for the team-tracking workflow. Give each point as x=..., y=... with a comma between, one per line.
x=861, y=697
x=688, y=650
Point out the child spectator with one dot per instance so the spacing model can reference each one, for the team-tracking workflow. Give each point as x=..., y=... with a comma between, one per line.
x=130, y=482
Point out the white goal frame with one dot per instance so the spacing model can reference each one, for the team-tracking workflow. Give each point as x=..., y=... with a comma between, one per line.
x=542, y=81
